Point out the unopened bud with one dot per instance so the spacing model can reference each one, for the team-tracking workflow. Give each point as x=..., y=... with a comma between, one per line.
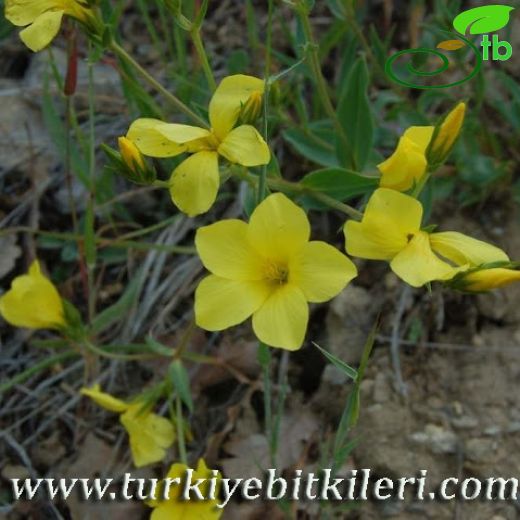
x=486, y=277
x=445, y=136
x=130, y=162
x=130, y=154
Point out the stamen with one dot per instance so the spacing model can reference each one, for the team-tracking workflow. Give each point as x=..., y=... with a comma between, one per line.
x=276, y=273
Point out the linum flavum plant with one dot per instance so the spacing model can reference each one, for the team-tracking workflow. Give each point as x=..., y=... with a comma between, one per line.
x=223, y=142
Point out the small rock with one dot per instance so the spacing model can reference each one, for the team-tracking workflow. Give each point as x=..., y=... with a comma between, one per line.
x=514, y=427
x=437, y=439
x=466, y=422
x=493, y=431
x=457, y=408
x=479, y=450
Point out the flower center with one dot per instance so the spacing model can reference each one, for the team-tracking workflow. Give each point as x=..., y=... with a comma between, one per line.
x=213, y=141
x=277, y=274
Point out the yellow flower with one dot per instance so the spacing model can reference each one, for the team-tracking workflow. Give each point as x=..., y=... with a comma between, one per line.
x=33, y=302
x=267, y=269
x=176, y=508
x=487, y=279
x=42, y=18
x=391, y=230
x=408, y=164
x=446, y=135
x=150, y=435
x=194, y=183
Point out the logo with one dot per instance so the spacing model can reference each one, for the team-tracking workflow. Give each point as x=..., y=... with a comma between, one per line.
x=483, y=21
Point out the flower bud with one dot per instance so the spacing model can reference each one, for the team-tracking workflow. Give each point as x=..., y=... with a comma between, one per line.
x=130, y=162
x=131, y=154
x=486, y=279
x=445, y=136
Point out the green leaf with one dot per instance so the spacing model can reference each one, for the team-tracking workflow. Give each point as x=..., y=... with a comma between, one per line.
x=181, y=383
x=72, y=315
x=314, y=142
x=339, y=183
x=484, y=19
x=338, y=363
x=356, y=118
x=116, y=311
x=158, y=348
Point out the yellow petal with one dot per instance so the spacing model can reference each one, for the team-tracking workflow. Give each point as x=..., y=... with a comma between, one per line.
x=24, y=12
x=150, y=435
x=282, y=320
x=245, y=146
x=42, y=31
x=407, y=165
x=166, y=510
x=489, y=279
x=389, y=220
x=461, y=249
x=158, y=139
x=175, y=508
x=417, y=264
x=224, y=250
x=227, y=101
x=404, y=168
x=194, y=183
x=278, y=228
x=320, y=271
x=221, y=303
x=420, y=136
x=33, y=302
x=106, y=401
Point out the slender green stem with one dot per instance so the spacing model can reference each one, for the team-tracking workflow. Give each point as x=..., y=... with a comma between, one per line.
x=203, y=57
x=179, y=422
x=321, y=83
x=264, y=358
x=174, y=100
x=294, y=187
x=111, y=355
x=267, y=73
x=420, y=185
x=329, y=201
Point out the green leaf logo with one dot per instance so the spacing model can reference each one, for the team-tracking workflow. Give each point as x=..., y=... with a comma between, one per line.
x=482, y=20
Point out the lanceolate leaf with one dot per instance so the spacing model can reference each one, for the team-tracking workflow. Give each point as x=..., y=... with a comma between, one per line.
x=482, y=20
x=339, y=183
x=355, y=117
x=314, y=142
